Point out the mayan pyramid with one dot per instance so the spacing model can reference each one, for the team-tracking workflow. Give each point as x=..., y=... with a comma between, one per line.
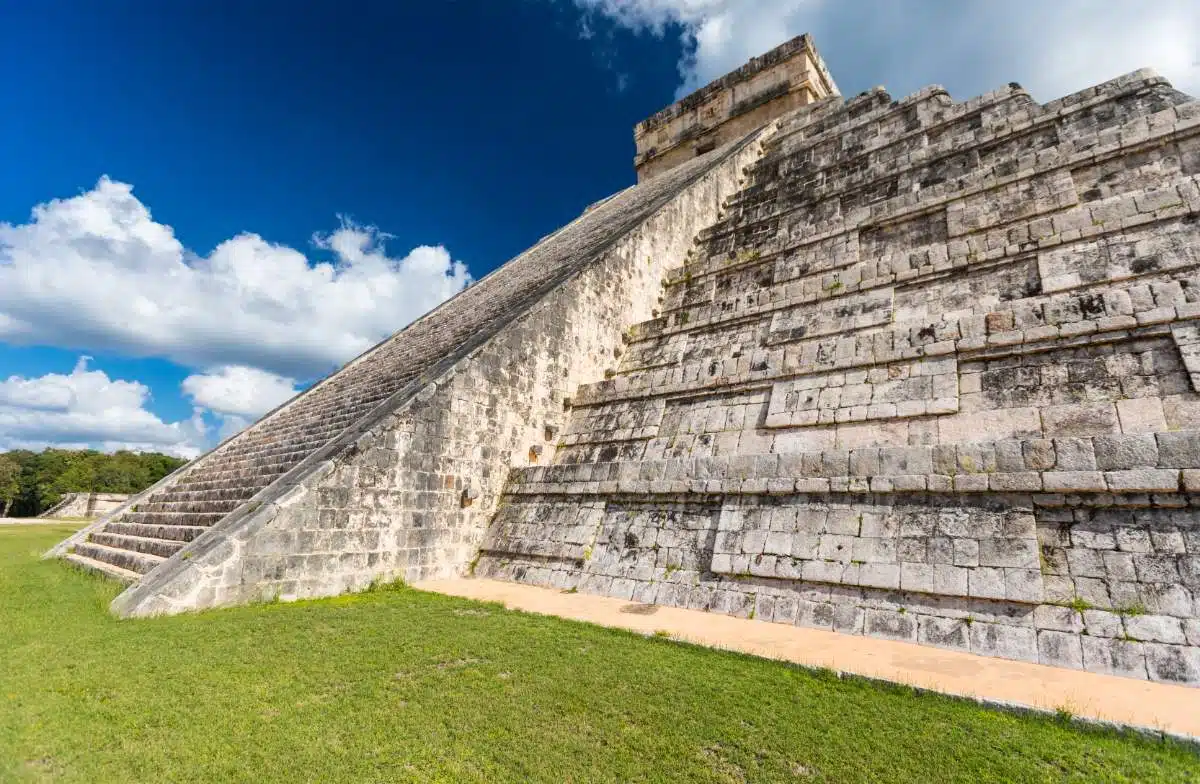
x=917, y=369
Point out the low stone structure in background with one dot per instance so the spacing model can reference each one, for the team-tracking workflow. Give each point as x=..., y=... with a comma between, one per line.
x=909, y=368
x=86, y=505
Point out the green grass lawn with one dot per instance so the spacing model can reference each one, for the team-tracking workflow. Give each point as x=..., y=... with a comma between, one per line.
x=397, y=685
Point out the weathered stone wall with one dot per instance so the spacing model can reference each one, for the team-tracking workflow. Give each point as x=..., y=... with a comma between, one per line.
x=931, y=377
x=789, y=76
x=410, y=493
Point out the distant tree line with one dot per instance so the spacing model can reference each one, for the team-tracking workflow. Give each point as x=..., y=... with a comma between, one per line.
x=32, y=482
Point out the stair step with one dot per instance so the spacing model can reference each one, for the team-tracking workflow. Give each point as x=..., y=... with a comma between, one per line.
x=225, y=479
x=255, y=464
x=201, y=519
x=155, y=505
x=178, y=533
x=125, y=559
x=282, y=432
x=252, y=467
x=106, y=569
x=259, y=455
x=173, y=495
x=225, y=483
x=164, y=548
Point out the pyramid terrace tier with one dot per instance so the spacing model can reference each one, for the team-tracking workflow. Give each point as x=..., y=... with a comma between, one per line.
x=932, y=375
x=1162, y=463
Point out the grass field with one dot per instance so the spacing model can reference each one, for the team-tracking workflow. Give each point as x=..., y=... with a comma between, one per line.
x=397, y=685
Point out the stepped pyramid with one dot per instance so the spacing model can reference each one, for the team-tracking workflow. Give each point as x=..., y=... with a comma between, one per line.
x=917, y=368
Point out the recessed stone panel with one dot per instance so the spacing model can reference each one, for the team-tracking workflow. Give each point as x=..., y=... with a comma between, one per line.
x=934, y=547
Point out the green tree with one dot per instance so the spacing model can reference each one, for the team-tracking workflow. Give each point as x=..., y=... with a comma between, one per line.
x=43, y=477
x=10, y=483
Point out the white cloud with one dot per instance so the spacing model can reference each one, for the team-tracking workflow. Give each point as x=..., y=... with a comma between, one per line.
x=96, y=272
x=239, y=391
x=87, y=409
x=971, y=47
x=238, y=395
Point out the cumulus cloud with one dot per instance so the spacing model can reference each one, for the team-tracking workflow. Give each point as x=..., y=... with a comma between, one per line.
x=239, y=390
x=238, y=395
x=97, y=272
x=87, y=409
x=1051, y=48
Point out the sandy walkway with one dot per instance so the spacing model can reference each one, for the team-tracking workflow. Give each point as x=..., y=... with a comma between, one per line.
x=1159, y=706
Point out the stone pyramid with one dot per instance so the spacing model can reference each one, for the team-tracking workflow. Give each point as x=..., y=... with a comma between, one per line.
x=919, y=369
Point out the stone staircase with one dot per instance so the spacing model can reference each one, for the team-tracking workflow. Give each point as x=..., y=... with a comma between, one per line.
x=154, y=527
x=158, y=525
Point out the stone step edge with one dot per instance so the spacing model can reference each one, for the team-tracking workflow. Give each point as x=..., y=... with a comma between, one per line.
x=956, y=112
x=102, y=568
x=170, y=542
x=1154, y=125
x=195, y=530
x=174, y=506
x=1167, y=449
x=690, y=271
x=630, y=386
x=104, y=548
x=1114, y=146
x=1156, y=481
x=660, y=327
x=178, y=514
x=1157, y=462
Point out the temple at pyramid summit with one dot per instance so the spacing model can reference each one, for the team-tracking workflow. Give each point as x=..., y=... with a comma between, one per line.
x=919, y=368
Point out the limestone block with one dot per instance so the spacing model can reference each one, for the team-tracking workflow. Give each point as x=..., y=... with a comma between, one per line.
x=1144, y=479
x=1156, y=568
x=880, y=575
x=1038, y=455
x=1155, y=628
x=1073, y=481
x=1056, y=618
x=1141, y=415
x=993, y=425
x=986, y=583
x=1023, y=585
x=1006, y=642
x=1119, y=566
x=1093, y=419
x=1101, y=623
x=1009, y=553
x=943, y=632
x=1126, y=451
x=890, y=624
x=1179, y=449
x=1074, y=454
x=1113, y=656
x=1133, y=540
x=1024, y=481
x=971, y=483
x=1172, y=663
x=1060, y=649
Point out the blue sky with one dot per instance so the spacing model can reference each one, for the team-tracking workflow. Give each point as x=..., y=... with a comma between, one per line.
x=219, y=202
